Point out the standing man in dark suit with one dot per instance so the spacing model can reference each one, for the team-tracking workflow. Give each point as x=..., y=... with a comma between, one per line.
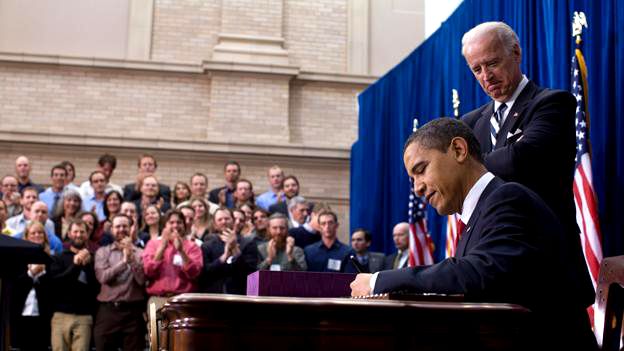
x=399, y=259
x=512, y=249
x=526, y=132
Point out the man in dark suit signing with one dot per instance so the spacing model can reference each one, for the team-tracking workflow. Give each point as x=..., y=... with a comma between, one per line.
x=526, y=132
x=512, y=248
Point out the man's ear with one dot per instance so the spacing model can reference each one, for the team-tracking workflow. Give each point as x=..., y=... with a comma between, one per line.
x=459, y=149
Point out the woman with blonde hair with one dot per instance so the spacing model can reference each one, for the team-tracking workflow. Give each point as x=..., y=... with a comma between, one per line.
x=150, y=224
x=31, y=310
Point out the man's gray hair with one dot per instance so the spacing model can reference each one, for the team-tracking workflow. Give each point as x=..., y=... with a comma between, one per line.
x=297, y=200
x=501, y=30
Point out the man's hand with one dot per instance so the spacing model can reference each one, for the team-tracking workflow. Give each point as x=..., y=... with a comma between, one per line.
x=271, y=251
x=361, y=285
x=290, y=245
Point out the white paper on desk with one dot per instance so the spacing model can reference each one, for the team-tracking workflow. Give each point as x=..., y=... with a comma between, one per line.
x=333, y=265
x=178, y=261
x=276, y=267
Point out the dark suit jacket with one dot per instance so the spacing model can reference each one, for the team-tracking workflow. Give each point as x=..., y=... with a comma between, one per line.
x=389, y=262
x=280, y=207
x=536, y=147
x=223, y=277
x=513, y=250
x=130, y=193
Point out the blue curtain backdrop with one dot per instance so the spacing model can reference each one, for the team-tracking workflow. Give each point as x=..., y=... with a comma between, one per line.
x=420, y=86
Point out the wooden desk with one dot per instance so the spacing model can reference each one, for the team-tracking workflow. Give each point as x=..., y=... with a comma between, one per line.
x=232, y=322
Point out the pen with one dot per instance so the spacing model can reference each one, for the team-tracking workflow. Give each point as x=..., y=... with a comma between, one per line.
x=357, y=264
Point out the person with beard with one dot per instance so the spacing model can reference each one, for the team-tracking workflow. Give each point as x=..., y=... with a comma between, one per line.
x=75, y=288
x=280, y=252
x=228, y=259
x=290, y=189
x=119, y=269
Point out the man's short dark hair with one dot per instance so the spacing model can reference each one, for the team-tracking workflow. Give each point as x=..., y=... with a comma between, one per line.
x=58, y=166
x=328, y=213
x=437, y=135
x=368, y=237
x=96, y=172
x=121, y=215
x=142, y=156
x=231, y=163
x=108, y=159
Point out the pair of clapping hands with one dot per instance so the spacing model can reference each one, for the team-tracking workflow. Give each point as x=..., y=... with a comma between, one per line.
x=82, y=257
x=232, y=248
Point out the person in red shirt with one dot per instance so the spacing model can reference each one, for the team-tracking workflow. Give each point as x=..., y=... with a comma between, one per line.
x=171, y=263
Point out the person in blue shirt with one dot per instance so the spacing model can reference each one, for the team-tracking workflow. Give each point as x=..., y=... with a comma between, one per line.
x=275, y=193
x=52, y=195
x=39, y=213
x=327, y=254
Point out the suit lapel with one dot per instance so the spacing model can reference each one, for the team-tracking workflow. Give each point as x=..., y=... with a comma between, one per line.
x=476, y=215
x=482, y=127
x=516, y=114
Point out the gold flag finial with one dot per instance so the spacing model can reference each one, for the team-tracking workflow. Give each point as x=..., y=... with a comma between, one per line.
x=578, y=22
x=455, y=103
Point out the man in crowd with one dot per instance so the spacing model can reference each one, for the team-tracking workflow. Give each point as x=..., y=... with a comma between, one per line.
x=39, y=213
x=280, y=252
x=309, y=232
x=199, y=187
x=369, y=262
x=227, y=258
x=146, y=165
x=11, y=196
x=52, y=195
x=22, y=171
x=243, y=192
x=525, y=128
x=512, y=248
x=95, y=201
x=106, y=165
x=290, y=189
x=17, y=224
x=149, y=195
x=119, y=269
x=400, y=235
x=327, y=254
x=298, y=212
x=275, y=176
x=224, y=196
x=76, y=288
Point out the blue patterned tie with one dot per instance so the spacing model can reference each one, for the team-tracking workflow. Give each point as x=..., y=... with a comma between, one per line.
x=495, y=123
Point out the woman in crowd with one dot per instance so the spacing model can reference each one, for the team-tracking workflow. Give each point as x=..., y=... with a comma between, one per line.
x=150, y=226
x=261, y=223
x=248, y=229
x=31, y=309
x=181, y=193
x=112, y=206
x=201, y=224
x=72, y=203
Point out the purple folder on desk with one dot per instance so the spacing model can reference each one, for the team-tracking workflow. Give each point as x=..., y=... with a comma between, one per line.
x=299, y=284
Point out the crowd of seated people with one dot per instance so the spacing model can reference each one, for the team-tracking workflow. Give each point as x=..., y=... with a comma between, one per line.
x=114, y=248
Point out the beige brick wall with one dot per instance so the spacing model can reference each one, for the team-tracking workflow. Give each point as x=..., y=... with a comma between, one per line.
x=185, y=30
x=102, y=102
x=252, y=17
x=249, y=108
x=316, y=34
x=323, y=114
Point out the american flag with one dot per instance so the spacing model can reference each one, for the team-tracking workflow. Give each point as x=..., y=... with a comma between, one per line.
x=420, y=244
x=584, y=196
x=452, y=234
